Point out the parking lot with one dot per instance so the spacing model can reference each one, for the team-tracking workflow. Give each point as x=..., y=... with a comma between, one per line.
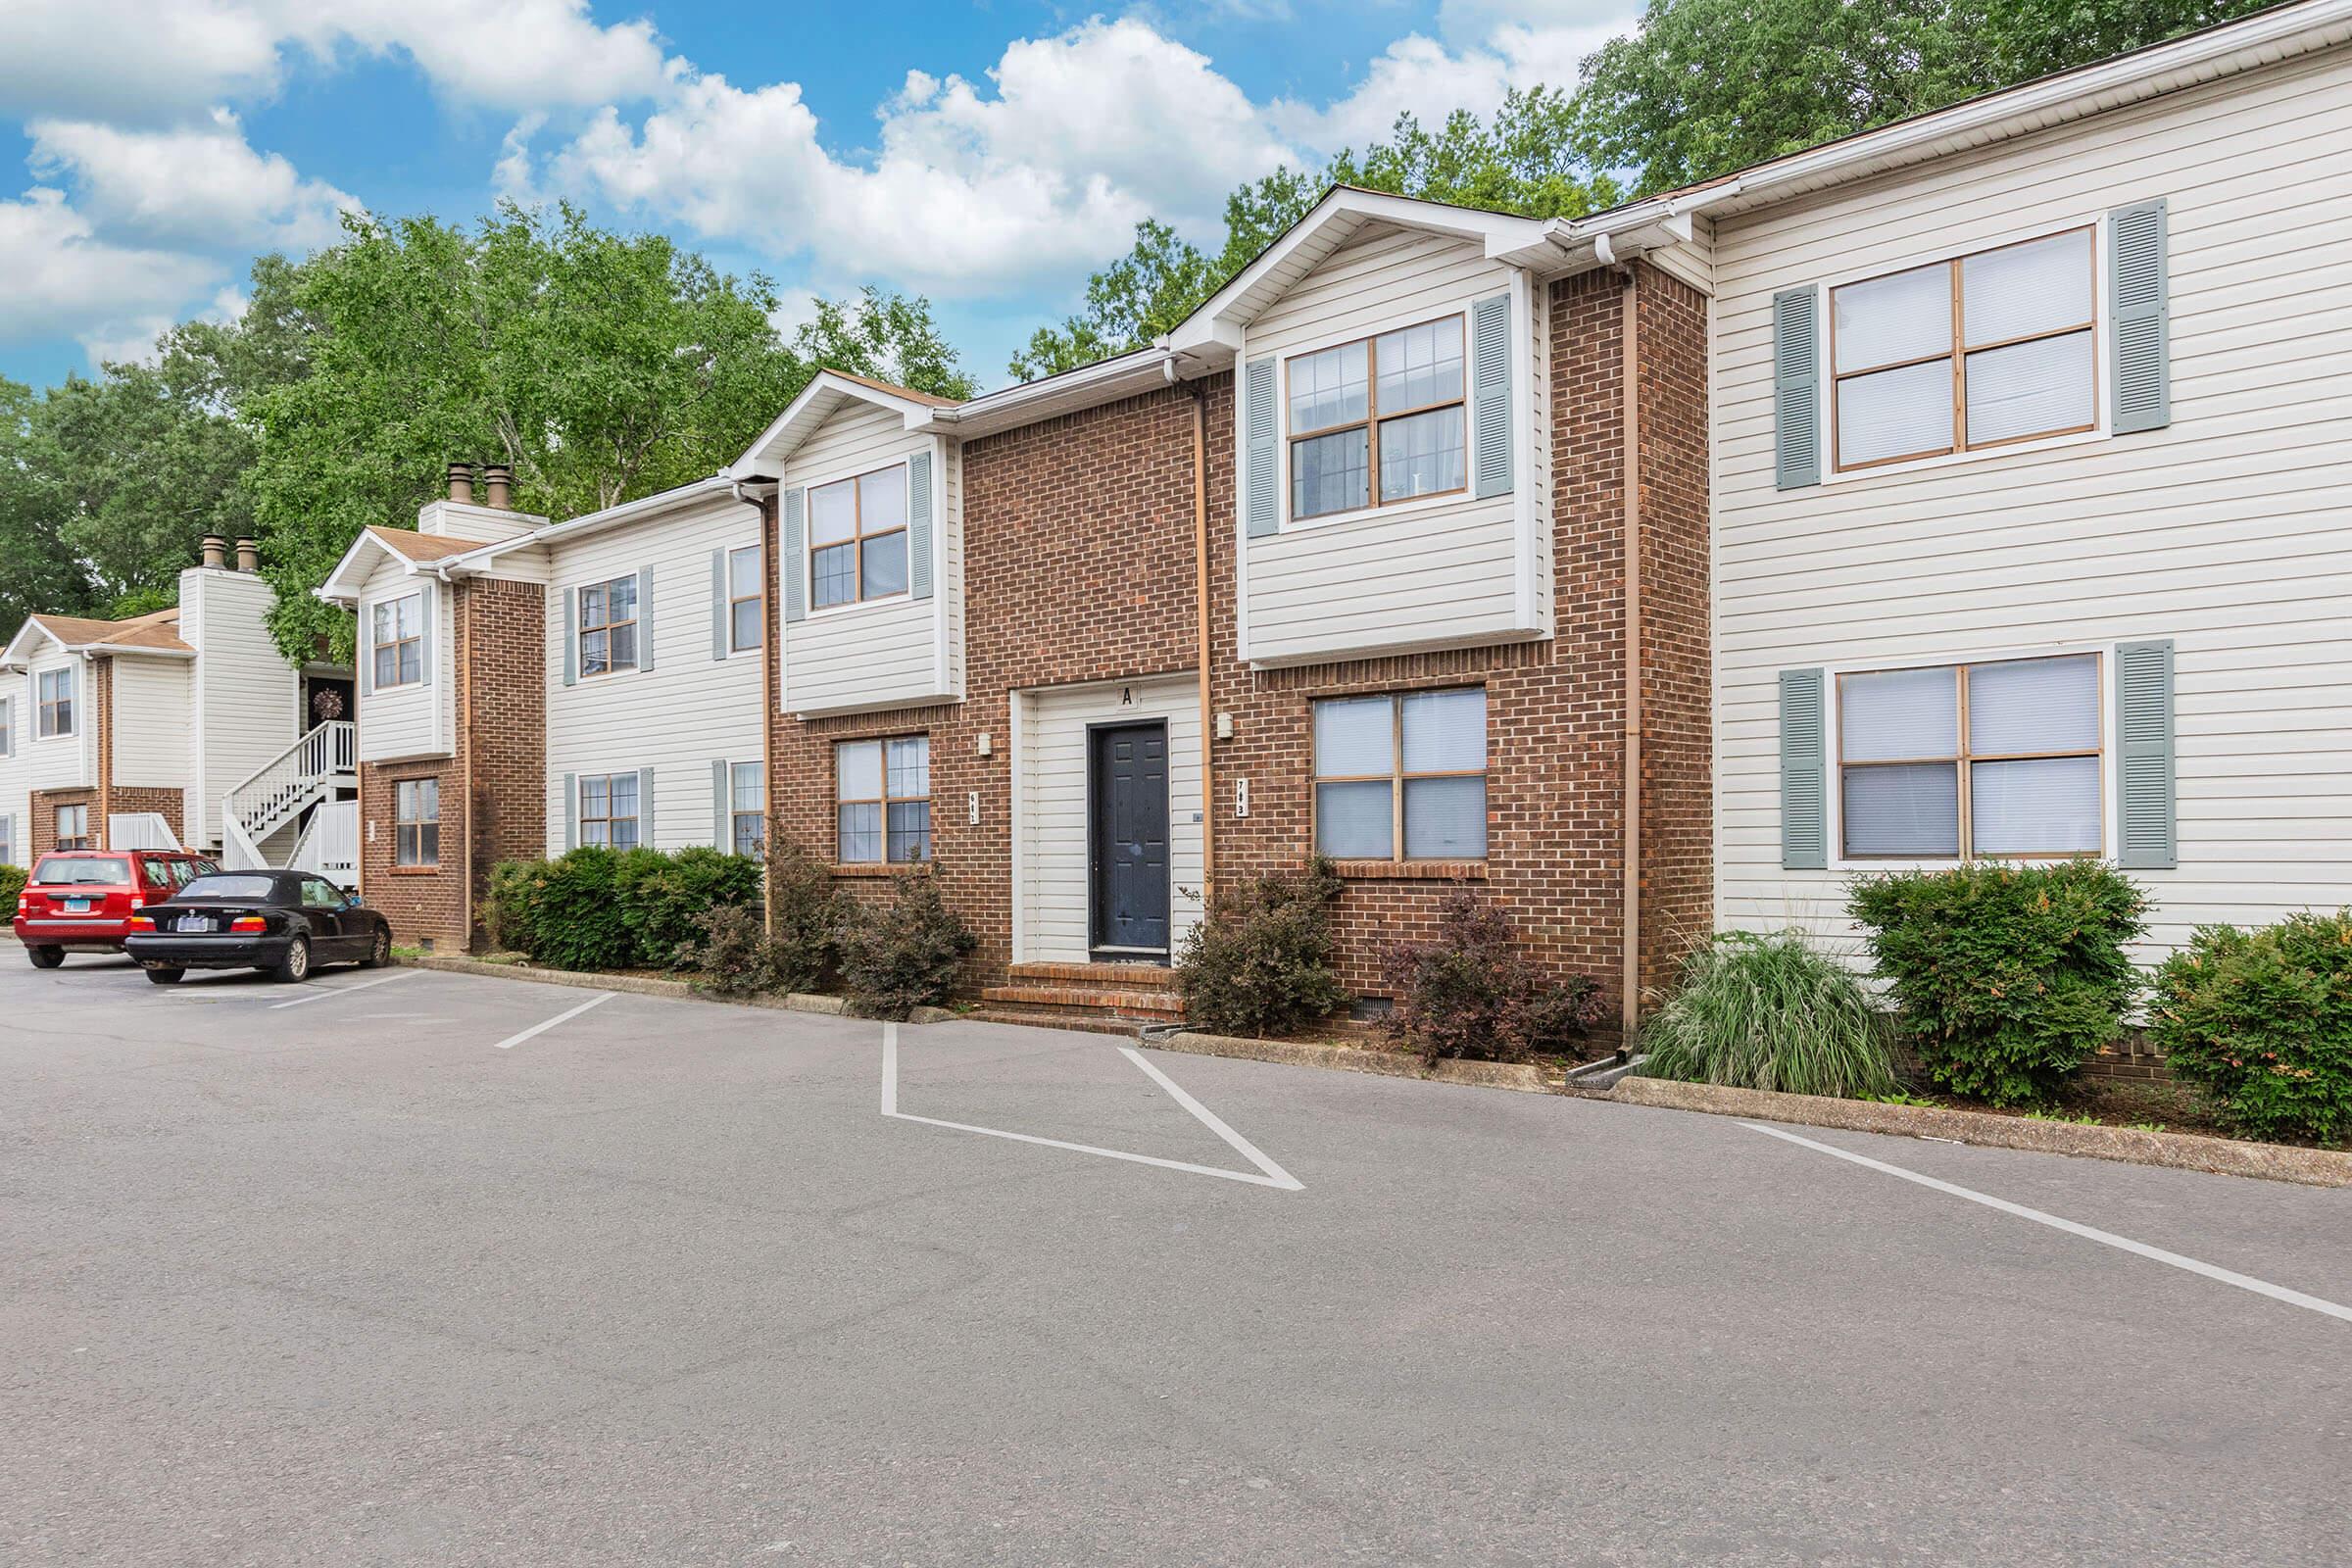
x=426, y=1268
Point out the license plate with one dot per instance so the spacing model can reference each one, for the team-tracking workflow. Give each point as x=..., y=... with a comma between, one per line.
x=77, y=905
x=192, y=922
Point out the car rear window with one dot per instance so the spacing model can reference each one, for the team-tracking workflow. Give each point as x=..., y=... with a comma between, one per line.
x=227, y=887
x=77, y=871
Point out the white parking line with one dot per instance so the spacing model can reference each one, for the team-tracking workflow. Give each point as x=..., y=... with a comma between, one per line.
x=2277, y=1292
x=597, y=1000
x=1273, y=1175
x=339, y=990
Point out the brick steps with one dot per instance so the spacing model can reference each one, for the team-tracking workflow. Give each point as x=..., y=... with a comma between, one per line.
x=1135, y=992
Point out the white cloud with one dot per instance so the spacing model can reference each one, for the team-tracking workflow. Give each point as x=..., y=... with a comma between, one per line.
x=65, y=280
x=198, y=184
x=1071, y=141
x=158, y=60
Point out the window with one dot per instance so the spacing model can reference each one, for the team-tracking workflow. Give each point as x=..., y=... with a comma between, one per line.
x=7, y=841
x=1377, y=421
x=7, y=730
x=56, y=692
x=317, y=894
x=608, y=810
x=858, y=538
x=397, y=638
x=1406, y=770
x=416, y=822
x=609, y=626
x=748, y=809
x=73, y=830
x=743, y=599
x=882, y=796
x=158, y=875
x=1968, y=760
x=1976, y=352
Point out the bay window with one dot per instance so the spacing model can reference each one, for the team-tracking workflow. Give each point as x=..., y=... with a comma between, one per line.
x=1401, y=776
x=1970, y=761
x=1378, y=421
x=1979, y=351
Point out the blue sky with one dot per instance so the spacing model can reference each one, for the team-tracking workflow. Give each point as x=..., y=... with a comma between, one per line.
x=989, y=155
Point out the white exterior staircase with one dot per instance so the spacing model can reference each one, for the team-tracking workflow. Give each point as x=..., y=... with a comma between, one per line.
x=313, y=776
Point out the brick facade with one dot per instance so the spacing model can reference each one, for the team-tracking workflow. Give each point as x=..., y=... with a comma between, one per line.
x=1080, y=568
x=493, y=786
x=43, y=807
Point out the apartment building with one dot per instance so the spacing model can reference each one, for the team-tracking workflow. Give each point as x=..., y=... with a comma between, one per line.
x=1961, y=489
x=186, y=727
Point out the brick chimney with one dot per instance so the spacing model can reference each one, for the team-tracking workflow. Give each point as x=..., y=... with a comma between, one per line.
x=461, y=483
x=249, y=556
x=215, y=552
x=498, y=480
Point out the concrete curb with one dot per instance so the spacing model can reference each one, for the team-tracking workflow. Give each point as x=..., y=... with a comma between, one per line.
x=1388, y=1065
x=2221, y=1156
x=644, y=986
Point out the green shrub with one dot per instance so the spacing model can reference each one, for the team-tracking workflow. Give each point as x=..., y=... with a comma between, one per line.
x=1259, y=963
x=1770, y=1013
x=507, y=908
x=12, y=883
x=662, y=896
x=800, y=891
x=2007, y=976
x=731, y=952
x=1473, y=994
x=575, y=917
x=900, y=952
x=2261, y=1022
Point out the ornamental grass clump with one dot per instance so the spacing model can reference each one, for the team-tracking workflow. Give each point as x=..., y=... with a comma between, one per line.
x=1770, y=1013
x=2261, y=1023
x=2005, y=976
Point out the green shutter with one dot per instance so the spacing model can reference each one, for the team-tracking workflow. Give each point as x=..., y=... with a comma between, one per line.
x=2140, y=372
x=1262, y=495
x=571, y=644
x=1804, y=783
x=1796, y=389
x=1490, y=395
x=722, y=614
x=572, y=812
x=722, y=807
x=645, y=807
x=918, y=525
x=2143, y=773
x=645, y=617
x=429, y=617
x=795, y=564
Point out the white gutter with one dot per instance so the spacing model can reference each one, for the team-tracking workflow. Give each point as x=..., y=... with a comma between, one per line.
x=450, y=566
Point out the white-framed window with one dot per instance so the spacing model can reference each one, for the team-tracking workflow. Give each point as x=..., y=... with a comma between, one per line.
x=1996, y=760
x=608, y=627
x=1987, y=349
x=608, y=810
x=1377, y=420
x=54, y=690
x=747, y=808
x=743, y=599
x=858, y=538
x=416, y=822
x=1401, y=776
x=396, y=636
x=73, y=828
x=882, y=799
x=8, y=725
x=8, y=838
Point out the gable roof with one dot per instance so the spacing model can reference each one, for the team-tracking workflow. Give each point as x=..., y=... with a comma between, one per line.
x=825, y=394
x=156, y=632
x=412, y=550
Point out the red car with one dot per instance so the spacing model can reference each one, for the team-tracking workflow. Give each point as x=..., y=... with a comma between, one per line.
x=80, y=901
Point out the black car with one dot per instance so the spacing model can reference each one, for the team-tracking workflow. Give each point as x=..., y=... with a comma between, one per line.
x=284, y=923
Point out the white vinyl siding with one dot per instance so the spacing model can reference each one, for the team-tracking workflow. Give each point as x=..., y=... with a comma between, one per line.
x=892, y=653
x=2225, y=531
x=150, y=722
x=1051, y=881
x=406, y=722
x=245, y=699
x=59, y=762
x=688, y=708
x=1438, y=571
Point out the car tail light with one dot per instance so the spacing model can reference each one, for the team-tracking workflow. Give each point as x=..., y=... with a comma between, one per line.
x=142, y=923
x=249, y=922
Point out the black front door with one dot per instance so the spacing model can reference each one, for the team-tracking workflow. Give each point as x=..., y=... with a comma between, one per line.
x=1128, y=806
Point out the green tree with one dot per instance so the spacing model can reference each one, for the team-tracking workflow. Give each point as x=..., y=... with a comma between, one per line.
x=600, y=366
x=886, y=337
x=37, y=570
x=1708, y=86
x=1520, y=162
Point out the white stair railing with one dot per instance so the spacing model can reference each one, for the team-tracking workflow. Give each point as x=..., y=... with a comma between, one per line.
x=281, y=789
x=330, y=844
